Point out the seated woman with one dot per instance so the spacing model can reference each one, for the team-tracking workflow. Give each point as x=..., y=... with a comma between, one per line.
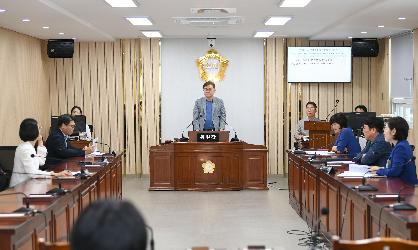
x=27, y=160
x=346, y=141
x=400, y=162
x=76, y=110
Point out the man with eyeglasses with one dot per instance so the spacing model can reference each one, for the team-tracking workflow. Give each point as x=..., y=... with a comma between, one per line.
x=209, y=111
x=310, y=116
x=58, y=145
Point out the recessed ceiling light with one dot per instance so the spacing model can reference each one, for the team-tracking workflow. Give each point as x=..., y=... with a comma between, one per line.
x=401, y=18
x=294, y=3
x=381, y=26
x=121, y=3
x=350, y=37
x=364, y=32
x=263, y=34
x=61, y=33
x=152, y=34
x=277, y=20
x=25, y=20
x=45, y=27
x=2, y=10
x=139, y=20
x=74, y=38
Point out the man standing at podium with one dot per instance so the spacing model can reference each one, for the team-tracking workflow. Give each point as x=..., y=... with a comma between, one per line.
x=310, y=116
x=209, y=111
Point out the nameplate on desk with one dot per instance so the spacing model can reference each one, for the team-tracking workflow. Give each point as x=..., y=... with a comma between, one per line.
x=384, y=197
x=12, y=215
x=208, y=137
x=92, y=165
x=39, y=198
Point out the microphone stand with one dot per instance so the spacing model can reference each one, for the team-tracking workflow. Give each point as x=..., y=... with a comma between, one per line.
x=364, y=186
x=25, y=210
x=402, y=205
x=183, y=138
x=332, y=110
x=235, y=138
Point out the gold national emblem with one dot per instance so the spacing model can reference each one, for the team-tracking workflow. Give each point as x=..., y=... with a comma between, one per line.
x=208, y=167
x=212, y=66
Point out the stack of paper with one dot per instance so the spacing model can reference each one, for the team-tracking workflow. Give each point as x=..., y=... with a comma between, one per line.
x=356, y=171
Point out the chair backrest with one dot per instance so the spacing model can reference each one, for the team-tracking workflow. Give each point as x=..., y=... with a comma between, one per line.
x=42, y=245
x=374, y=244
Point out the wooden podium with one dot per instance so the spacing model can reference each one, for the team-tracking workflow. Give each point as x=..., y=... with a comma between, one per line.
x=319, y=134
x=208, y=166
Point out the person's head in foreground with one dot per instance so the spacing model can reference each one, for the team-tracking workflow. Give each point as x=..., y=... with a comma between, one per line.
x=109, y=225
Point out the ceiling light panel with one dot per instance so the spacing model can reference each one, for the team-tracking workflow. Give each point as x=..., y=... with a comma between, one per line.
x=277, y=20
x=121, y=3
x=294, y=3
x=2, y=10
x=139, y=21
x=152, y=34
x=263, y=34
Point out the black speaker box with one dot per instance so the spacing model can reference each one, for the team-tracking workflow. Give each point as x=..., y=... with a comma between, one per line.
x=364, y=47
x=60, y=48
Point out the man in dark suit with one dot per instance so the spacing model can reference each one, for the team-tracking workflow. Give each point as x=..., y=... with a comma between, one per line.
x=58, y=145
x=377, y=150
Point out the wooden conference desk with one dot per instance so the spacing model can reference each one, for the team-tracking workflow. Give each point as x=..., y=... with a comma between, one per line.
x=208, y=166
x=61, y=213
x=311, y=189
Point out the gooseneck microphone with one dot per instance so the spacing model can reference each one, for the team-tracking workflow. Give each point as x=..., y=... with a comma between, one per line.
x=26, y=210
x=332, y=110
x=402, y=205
x=183, y=138
x=108, y=146
x=364, y=186
x=235, y=138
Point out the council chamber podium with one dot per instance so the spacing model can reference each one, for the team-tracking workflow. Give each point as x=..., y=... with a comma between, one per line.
x=208, y=162
x=319, y=134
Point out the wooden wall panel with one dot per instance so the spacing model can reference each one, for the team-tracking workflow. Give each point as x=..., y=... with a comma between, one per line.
x=108, y=80
x=369, y=86
x=24, y=84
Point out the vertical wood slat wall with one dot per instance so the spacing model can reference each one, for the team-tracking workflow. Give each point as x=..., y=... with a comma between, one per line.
x=23, y=77
x=117, y=86
x=285, y=106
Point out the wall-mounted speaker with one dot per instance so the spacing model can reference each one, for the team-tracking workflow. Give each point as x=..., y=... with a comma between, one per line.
x=364, y=47
x=60, y=48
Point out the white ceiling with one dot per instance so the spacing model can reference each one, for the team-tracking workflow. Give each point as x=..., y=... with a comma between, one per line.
x=94, y=20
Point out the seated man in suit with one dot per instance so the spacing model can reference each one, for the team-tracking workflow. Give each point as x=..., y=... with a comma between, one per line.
x=58, y=145
x=345, y=142
x=310, y=110
x=209, y=111
x=377, y=150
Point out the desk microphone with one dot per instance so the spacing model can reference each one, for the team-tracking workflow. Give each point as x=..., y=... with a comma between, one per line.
x=402, y=205
x=152, y=236
x=183, y=138
x=364, y=186
x=110, y=150
x=332, y=110
x=26, y=210
x=235, y=138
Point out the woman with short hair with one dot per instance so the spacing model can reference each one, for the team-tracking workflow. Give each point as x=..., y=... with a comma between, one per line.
x=27, y=160
x=401, y=161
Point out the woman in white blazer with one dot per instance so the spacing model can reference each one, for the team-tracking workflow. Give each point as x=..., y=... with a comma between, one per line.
x=27, y=160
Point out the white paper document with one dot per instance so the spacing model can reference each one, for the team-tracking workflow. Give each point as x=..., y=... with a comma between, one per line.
x=319, y=153
x=357, y=168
